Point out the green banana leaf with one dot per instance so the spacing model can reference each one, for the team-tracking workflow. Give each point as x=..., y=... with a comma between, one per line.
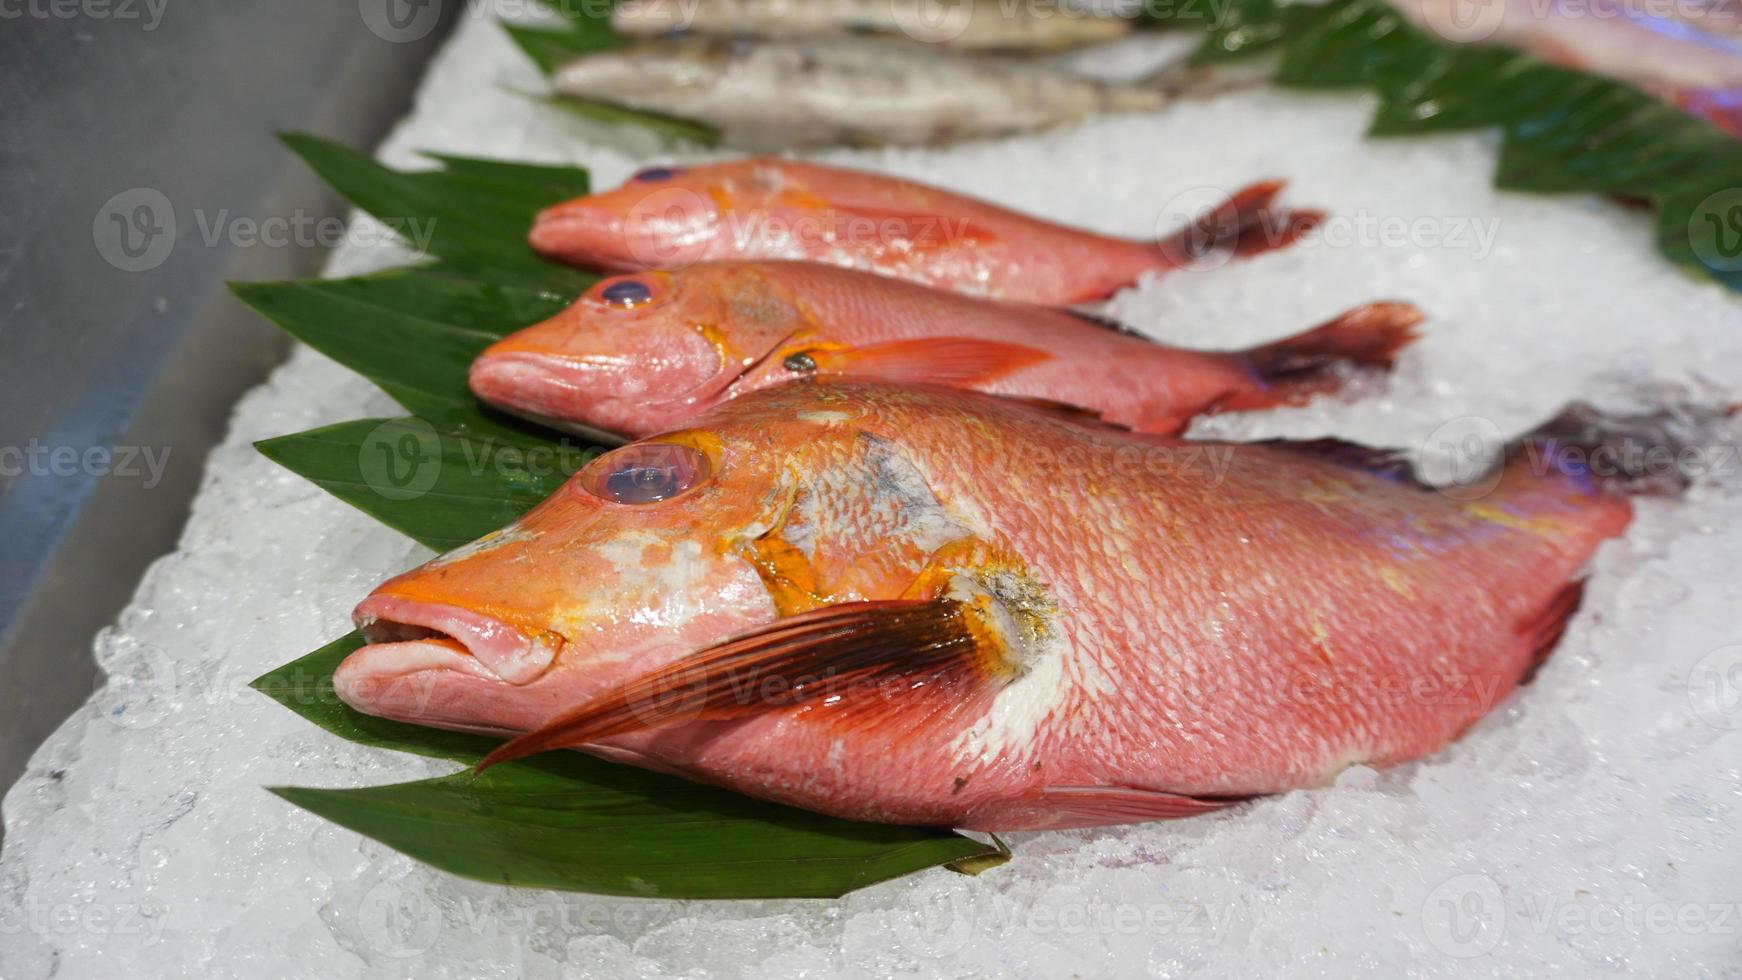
x=440, y=488
x=412, y=332
x=472, y=214
x=415, y=331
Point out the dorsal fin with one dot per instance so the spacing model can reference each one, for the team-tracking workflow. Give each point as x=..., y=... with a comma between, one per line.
x=1388, y=463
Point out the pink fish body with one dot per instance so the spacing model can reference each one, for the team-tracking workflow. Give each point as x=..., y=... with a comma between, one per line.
x=645, y=352
x=769, y=208
x=926, y=606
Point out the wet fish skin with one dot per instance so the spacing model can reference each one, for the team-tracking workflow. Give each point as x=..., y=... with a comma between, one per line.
x=1154, y=627
x=773, y=208
x=976, y=25
x=780, y=94
x=717, y=331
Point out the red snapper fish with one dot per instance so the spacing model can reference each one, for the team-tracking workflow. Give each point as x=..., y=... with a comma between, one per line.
x=647, y=351
x=934, y=607
x=769, y=208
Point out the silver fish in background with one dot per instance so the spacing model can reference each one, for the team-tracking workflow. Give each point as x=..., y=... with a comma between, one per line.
x=1004, y=25
x=780, y=94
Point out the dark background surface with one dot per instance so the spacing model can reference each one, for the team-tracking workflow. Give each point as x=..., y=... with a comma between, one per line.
x=119, y=118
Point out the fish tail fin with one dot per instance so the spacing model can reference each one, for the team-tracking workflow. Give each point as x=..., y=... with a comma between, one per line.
x=1656, y=452
x=1609, y=456
x=830, y=652
x=1247, y=223
x=1659, y=452
x=1296, y=368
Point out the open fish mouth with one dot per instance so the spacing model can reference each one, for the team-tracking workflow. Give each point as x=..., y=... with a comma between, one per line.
x=408, y=635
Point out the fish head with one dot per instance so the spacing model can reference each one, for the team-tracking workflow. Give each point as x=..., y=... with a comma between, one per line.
x=773, y=506
x=628, y=561
x=640, y=352
x=666, y=217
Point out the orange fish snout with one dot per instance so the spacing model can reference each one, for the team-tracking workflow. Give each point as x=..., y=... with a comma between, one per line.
x=652, y=222
x=616, y=360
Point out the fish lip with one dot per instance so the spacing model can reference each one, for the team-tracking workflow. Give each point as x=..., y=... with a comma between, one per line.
x=407, y=681
x=505, y=652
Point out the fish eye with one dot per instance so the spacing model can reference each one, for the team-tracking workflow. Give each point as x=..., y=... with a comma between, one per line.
x=649, y=175
x=646, y=473
x=625, y=292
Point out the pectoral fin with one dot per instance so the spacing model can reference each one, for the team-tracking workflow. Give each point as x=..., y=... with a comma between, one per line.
x=849, y=650
x=955, y=361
